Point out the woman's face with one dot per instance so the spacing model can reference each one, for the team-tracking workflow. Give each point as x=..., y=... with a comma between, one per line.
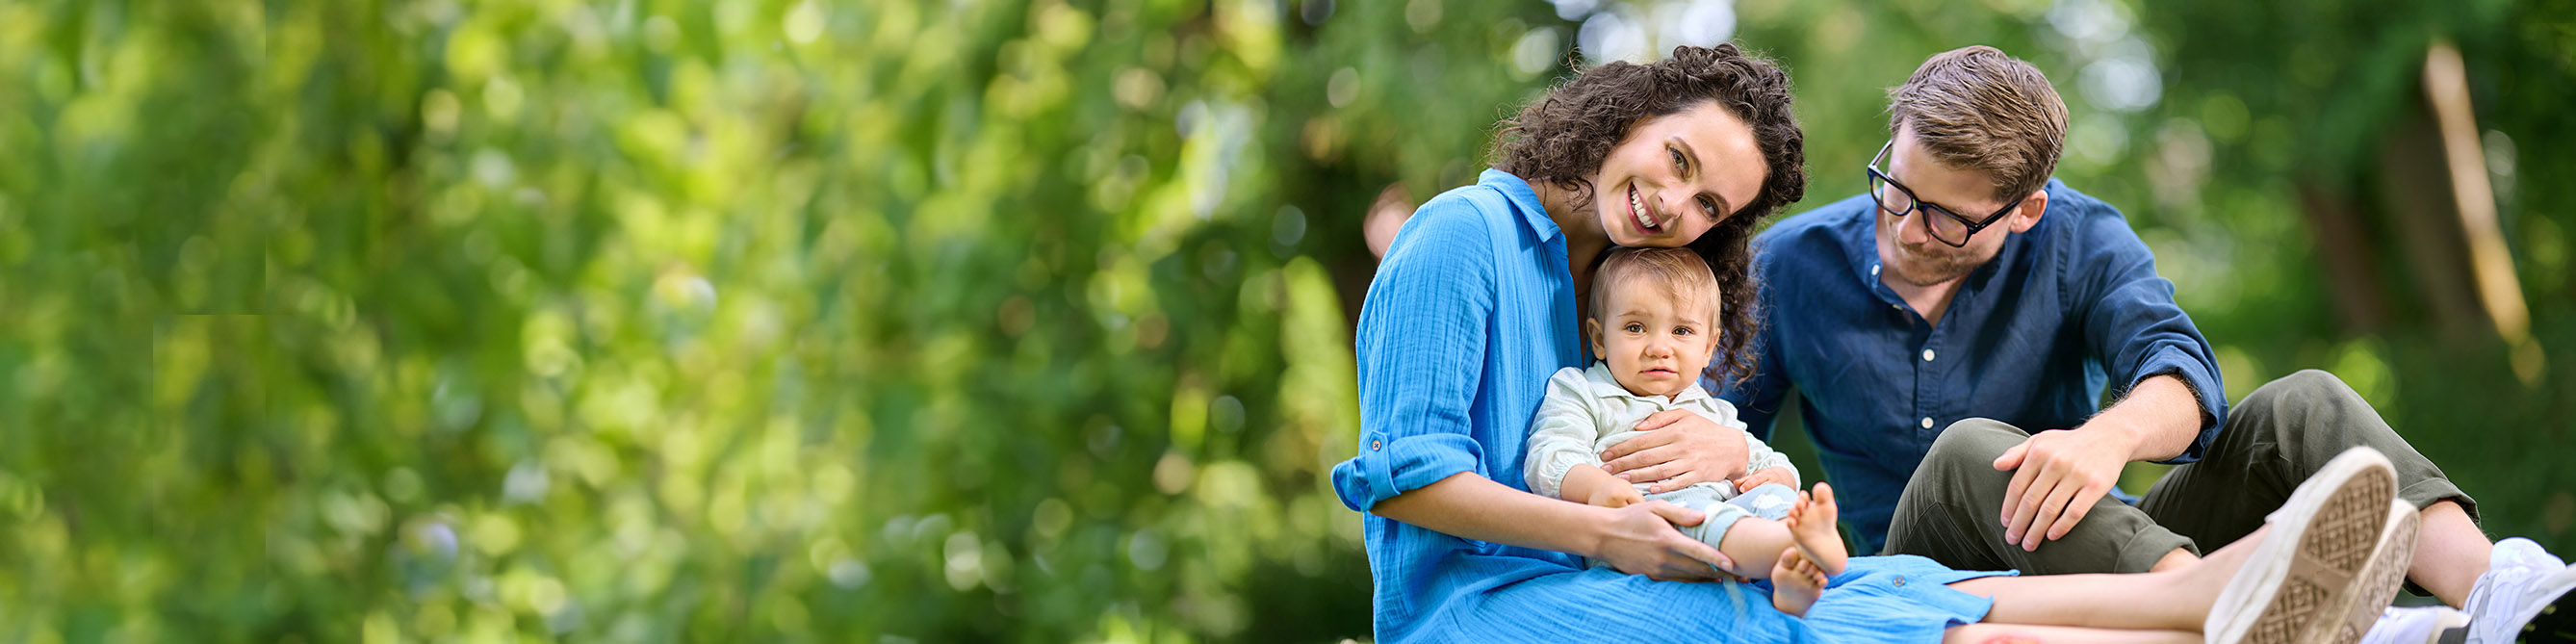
x=1676, y=176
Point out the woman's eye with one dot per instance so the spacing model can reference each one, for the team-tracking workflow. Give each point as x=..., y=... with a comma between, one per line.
x=1677, y=159
x=1709, y=205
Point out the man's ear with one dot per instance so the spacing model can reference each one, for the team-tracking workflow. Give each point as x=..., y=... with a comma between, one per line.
x=2031, y=208
x=1592, y=330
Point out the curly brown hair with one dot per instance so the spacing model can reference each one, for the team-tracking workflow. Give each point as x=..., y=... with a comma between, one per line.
x=1562, y=138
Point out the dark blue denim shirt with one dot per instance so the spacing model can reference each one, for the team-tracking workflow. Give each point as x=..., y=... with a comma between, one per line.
x=2031, y=339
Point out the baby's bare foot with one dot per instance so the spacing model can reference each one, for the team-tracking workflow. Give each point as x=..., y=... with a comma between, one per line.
x=1795, y=583
x=1812, y=530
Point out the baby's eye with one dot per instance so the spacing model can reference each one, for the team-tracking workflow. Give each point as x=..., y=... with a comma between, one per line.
x=1635, y=328
x=1681, y=330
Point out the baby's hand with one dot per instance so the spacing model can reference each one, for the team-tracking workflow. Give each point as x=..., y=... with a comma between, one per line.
x=1615, y=496
x=1780, y=475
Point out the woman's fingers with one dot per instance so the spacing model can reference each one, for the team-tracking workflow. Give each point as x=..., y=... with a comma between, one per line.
x=1641, y=457
x=1648, y=441
x=1677, y=515
x=1683, y=475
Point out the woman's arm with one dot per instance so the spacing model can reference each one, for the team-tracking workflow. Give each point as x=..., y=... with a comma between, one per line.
x=1638, y=539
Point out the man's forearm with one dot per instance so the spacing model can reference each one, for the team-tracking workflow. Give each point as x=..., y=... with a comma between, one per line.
x=2159, y=418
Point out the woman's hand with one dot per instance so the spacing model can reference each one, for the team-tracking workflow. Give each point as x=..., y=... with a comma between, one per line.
x=1640, y=540
x=1680, y=448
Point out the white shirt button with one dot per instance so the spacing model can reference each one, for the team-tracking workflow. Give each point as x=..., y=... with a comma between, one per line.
x=1873, y=270
x=1927, y=355
x=1897, y=307
x=1927, y=422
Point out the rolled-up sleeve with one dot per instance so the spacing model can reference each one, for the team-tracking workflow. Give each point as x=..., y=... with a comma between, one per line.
x=2135, y=328
x=1420, y=350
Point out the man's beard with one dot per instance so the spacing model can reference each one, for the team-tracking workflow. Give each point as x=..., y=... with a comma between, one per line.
x=1930, y=269
x=1927, y=268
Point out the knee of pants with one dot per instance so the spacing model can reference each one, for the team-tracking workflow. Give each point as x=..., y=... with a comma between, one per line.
x=2305, y=385
x=1968, y=447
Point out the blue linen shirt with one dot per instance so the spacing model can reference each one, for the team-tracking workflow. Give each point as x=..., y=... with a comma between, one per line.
x=1468, y=316
x=2031, y=339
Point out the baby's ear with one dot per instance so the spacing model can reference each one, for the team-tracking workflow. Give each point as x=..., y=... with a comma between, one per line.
x=1592, y=335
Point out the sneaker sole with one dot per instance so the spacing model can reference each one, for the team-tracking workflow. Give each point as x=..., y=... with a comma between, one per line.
x=2300, y=584
x=2385, y=573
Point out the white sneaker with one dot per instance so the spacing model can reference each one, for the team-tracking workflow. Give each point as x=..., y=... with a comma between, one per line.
x=2418, y=625
x=2523, y=595
x=2304, y=582
x=2380, y=578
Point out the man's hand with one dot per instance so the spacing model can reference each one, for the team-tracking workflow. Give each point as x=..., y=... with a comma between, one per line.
x=2057, y=476
x=1641, y=541
x=1680, y=448
x=1780, y=475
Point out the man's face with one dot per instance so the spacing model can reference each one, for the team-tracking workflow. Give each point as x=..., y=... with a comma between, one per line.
x=1906, y=247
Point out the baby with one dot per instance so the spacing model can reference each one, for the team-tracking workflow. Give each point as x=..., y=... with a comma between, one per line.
x=1653, y=324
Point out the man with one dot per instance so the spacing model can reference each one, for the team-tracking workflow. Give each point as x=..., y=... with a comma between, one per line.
x=1937, y=326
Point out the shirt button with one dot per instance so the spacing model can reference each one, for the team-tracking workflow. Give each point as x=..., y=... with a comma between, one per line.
x=1900, y=582
x=1873, y=270
x=1373, y=445
x=1927, y=423
x=1927, y=355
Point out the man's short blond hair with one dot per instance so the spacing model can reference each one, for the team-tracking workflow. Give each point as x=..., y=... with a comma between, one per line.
x=1974, y=108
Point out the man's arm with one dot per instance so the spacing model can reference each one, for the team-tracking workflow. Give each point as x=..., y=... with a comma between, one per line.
x=2058, y=475
x=2132, y=325
x=2161, y=416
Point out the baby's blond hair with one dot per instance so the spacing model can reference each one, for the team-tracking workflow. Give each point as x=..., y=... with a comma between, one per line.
x=1682, y=273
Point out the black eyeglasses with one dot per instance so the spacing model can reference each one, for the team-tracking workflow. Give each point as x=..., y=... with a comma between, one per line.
x=1949, y=227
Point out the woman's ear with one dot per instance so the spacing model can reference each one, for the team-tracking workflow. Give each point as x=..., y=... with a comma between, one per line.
x=2031, y=208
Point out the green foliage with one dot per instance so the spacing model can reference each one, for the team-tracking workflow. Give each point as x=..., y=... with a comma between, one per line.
x=935, y=321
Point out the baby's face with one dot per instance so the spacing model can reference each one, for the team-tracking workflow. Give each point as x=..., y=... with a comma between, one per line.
x=1656, y=346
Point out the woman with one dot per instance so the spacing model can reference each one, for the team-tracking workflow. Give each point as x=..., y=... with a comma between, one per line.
x=1474, y=307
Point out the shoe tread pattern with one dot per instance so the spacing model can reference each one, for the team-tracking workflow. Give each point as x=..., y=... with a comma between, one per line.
x=2333, y=548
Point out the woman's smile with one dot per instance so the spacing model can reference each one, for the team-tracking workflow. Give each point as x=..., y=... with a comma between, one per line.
x=1637, y=214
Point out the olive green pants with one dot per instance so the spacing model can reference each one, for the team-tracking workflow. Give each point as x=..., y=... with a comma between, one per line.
x=2273, y=440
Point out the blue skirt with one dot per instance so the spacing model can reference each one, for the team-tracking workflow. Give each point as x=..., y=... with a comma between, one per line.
x=1896, y=598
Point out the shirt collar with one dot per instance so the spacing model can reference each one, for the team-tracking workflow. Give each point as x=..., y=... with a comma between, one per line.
x=1605, y=385
x=1524, y=199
